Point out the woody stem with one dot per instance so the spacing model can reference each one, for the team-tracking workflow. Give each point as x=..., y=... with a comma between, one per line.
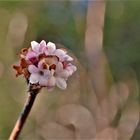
x=24, y=114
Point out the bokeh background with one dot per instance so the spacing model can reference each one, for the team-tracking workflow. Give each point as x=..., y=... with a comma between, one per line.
x=102, y=98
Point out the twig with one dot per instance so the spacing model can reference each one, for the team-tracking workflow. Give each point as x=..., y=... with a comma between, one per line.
x=33, y=91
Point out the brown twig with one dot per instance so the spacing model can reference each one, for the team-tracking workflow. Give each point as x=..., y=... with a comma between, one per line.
x=33, y=91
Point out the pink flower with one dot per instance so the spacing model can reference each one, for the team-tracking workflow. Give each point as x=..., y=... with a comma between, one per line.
x=61, y=75
x=46, y=65
x=36, y=49
x=38, y=75
x=61, y=54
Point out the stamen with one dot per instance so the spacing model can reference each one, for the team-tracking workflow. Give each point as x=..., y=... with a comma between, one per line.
x=45, y=66
x=53, y=66
x=52, y=72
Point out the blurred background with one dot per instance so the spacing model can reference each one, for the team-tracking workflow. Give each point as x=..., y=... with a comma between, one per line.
x=102, y=98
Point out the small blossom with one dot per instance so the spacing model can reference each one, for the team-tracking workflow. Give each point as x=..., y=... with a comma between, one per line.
x=38, y=75
x=60, y=53
x=50, y=48
x=38, y=48
x=44, y=65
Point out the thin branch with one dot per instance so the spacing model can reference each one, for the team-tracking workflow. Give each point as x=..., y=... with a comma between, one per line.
x=33, y=91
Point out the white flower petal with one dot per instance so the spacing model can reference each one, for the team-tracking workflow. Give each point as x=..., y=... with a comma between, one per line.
x=74, y=68
x=51, y=81
x=71, y=68
x=46, y=52
x=35, y=46
x=68, y=58
x=60, y=53
x=30, y=54
x=50, y=88
x=43, y=81
x=61, y=83
x=51, y=47
x=64, y=74
x=59, y=67
x=34, y=78
x=40, y=65
x=47, y=73
x=43, y=43
x=34, y=43
x=42, y=46
x=32, y=69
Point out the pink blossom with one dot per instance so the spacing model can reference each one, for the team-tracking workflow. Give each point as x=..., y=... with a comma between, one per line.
x=61, y=54
x=36, y=49
x=38, y=75
x=61, y=75
x=47, y=66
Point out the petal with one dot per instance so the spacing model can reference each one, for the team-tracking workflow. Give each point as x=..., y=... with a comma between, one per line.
x=42, y=46
x=46, y=52
x=59, y=67
x=35, y=46
x=47, y=73
x=43, y=43
x=71, y=68
x=74, y=68
x=40, y=65
x=43, y=81
x=32, y=69
x=34, y=78
x=61, y=83
x=64, y=74
x=68, y=58
x=30, y=54
x=51, y=81
x=51, y=47
x=60, y=53
x=50, y=88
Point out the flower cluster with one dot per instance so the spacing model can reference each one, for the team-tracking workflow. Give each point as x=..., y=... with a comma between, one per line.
x=44, y=65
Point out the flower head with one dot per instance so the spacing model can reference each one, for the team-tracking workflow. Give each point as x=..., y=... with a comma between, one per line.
x=44, y=65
